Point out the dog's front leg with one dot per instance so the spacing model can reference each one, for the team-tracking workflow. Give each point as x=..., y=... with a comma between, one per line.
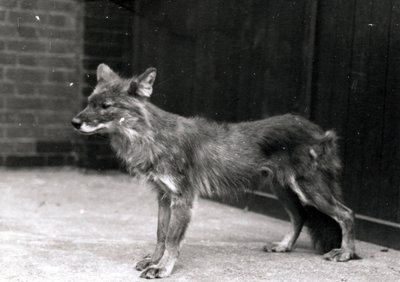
x=164, y=214
x=180, y=217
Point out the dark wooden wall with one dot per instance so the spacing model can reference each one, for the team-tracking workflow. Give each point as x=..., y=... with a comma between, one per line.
x=356, y=89
x=333, y=61
x=220, y=58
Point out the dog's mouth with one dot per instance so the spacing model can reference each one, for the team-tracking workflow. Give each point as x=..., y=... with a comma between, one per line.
x=87, y=129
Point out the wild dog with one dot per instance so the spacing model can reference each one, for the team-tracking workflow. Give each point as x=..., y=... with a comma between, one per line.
x=185, y=157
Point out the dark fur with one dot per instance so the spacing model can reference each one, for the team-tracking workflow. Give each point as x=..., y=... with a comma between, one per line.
x=185, y=157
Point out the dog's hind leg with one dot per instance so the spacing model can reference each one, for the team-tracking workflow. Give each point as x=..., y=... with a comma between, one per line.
x=345, y=217
x=164, y=214
x=317, y=194
x=297, y=216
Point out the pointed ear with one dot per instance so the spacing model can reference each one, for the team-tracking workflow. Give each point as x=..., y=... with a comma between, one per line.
x=104, y=73
x=145, y=82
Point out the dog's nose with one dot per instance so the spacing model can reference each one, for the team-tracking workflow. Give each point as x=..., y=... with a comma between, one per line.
x=76, y=122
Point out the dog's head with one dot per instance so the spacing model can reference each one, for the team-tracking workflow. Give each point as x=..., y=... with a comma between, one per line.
x=115, y=102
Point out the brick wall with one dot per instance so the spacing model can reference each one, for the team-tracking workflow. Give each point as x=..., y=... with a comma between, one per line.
x=49, y=51
x=40, y=51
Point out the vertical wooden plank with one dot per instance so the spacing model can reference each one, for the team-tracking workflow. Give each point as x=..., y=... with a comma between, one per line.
x=237, y=58
x=205, y=61
x=226, y=61
x=246, y=44
x=332, y=64
x=331, y=83
x=309, y=55
x=354, y=158
x=176, y=56
x=136, y=33
x=164, y=39
x=282, y=57
x=389, y=196
x=261, y=58
x=297, y=101
x=364, y=131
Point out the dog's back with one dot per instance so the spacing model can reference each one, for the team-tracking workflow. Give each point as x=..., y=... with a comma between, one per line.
x=222, y=159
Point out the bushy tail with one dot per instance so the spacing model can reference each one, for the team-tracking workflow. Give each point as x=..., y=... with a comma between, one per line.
x=325, y=232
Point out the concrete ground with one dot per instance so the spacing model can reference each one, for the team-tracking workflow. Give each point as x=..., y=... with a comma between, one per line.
x=67, y=225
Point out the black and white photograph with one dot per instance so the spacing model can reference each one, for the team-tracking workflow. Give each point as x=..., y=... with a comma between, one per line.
x=199, y=140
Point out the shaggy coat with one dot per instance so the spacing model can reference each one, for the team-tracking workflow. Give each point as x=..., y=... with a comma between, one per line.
x=185, y=157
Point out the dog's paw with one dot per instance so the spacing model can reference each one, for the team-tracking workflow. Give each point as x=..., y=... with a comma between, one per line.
x=340, y=255
x=154, y=272
x=144, y=263
x=277, y=248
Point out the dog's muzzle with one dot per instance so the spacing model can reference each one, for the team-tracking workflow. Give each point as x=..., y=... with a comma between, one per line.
x=76, y=122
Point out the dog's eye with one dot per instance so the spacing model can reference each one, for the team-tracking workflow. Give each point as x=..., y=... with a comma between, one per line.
x=106, y=105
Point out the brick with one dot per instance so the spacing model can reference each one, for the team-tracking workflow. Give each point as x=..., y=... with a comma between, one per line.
x=2, y=15
x=51, y=147
x=2, y=45
x=57, y=160
x=27, y=32
x=47, y=61
x=62, y=47
x=28, y=60
x=62, y=76
x=16, y=147
x=70, y=160
x=26, y=75
x=28, y=17
x=8, y=59
x=58, y=20
x=57, y=91
x=20, y=161
x=19, y=103
x=62, y=6
x=102, y=163
x=24, y=147
x=8, y=3
x=26, y=88
x=54, y=104
x=29, y=4
x=60, y=34
x=16, y=117
x=58, y=61
x=99, y=149
x=27, y=46
x=58, y=105
x=7, y=88
x=55, y=118
x=59, y=133
x=24, y=132
x=8, y=31
x=6, y=147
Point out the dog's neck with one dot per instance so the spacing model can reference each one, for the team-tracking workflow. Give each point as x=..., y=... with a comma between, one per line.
x=140, y=151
